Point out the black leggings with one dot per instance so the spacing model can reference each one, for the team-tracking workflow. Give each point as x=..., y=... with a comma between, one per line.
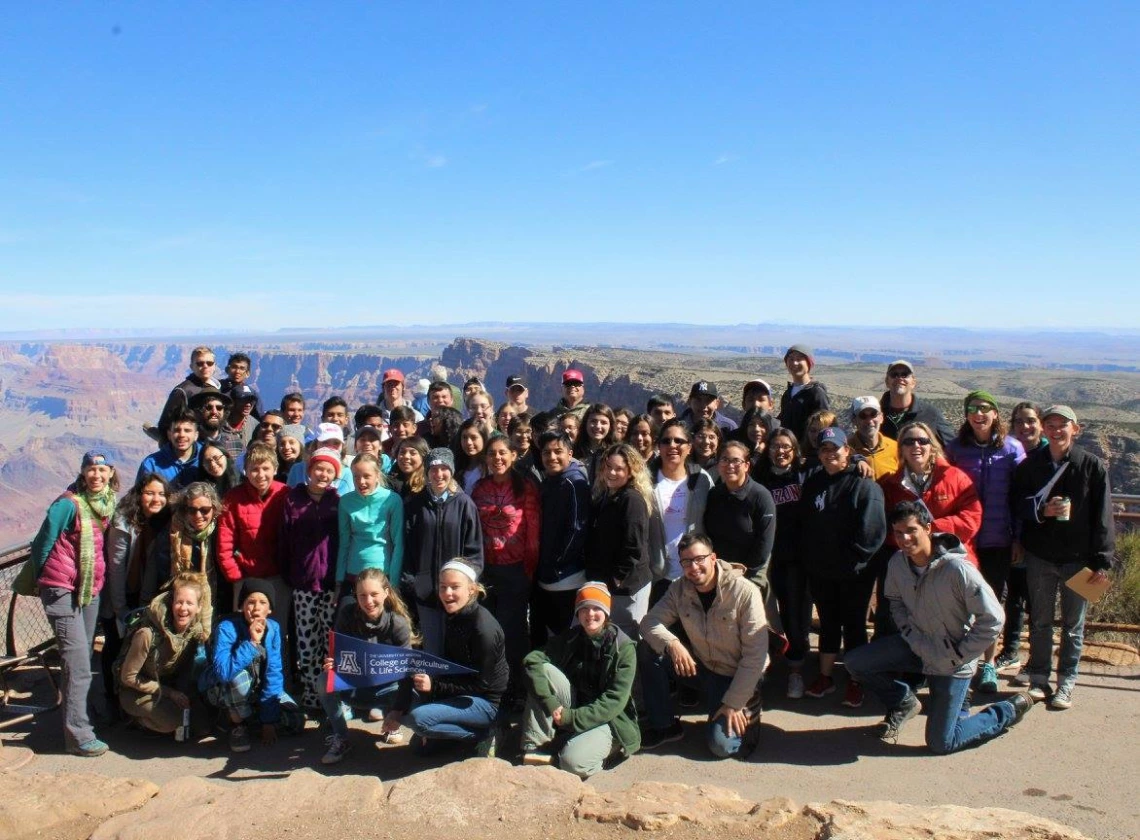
x=790, y=583
x=842, y=607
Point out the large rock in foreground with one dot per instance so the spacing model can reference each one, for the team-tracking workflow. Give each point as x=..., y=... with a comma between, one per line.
x=38, y=803
x=482, y=799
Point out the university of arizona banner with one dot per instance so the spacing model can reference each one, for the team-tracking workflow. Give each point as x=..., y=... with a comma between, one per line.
x=359, y=664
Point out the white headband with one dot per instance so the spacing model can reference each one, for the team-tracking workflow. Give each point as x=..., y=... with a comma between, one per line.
x=462, y=567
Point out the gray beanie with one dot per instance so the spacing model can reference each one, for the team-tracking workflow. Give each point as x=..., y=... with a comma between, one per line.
x=440, y=456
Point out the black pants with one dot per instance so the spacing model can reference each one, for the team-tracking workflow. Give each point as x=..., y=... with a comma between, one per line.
x=842, y=607
x=550, y=613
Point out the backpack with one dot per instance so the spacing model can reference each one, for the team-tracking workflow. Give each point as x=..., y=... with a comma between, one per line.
x=135, y=620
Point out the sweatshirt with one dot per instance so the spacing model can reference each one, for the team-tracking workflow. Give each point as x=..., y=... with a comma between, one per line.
x=842, y=523
x=371, y=534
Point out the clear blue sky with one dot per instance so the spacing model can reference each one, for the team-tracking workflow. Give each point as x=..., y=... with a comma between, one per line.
x=270, y=164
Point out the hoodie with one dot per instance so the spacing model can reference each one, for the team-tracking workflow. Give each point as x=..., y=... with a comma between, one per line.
x=565, y=520
x=948, y=614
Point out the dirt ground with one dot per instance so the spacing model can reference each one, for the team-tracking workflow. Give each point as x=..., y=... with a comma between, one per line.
x=1078, y=767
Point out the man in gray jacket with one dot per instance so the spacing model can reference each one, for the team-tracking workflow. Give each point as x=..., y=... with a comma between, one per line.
x=947, y=616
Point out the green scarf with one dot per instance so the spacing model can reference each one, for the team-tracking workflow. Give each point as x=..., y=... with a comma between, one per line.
x=89, y=506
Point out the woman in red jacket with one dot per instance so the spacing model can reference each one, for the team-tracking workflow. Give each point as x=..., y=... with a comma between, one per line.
x=925, y=475
x=510, y=512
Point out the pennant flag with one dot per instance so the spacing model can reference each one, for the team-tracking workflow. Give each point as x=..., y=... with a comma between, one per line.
x=360, y=664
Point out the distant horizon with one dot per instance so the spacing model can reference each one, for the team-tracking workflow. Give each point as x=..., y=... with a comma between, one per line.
x=214, y=167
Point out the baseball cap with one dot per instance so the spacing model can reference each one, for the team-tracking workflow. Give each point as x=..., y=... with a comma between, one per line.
x=515, y=382
x=330, y=431
x=833, y=435
x=392, y=375
x=573, y=375
x=861, y=404
x=703, y=388
x=1060, y=411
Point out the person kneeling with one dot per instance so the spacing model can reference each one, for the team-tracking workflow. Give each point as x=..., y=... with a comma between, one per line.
x=377, y=615
x=245, y=677
x=156, y=672
x=947, y=616
x=461, y=707
x=722, y=614
x=579, y=691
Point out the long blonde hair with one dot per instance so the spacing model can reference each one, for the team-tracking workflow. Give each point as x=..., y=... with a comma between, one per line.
x=638, y=473
x=392, y=602
x=197, y=581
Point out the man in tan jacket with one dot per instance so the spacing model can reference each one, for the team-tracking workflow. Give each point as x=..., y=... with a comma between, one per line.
x=722, y=615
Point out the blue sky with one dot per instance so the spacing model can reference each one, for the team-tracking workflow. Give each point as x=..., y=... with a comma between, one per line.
x=299, y=164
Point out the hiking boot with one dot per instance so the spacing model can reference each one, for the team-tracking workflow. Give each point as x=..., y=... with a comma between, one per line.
x=489, y=745
x=1062, y=698
x=338, y=749
x=1021, y=703
x=1009, y=661
x=651, y=739
x=821, y=687
x=888, y=730
x=239, y=739
x=987, y=679
x=853, y=695
x=89, y=749
x=795, y=686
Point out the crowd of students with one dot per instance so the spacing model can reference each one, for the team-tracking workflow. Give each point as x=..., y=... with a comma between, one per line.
x=561, y=554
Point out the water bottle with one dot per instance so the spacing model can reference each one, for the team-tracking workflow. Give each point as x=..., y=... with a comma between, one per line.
x=183, y=731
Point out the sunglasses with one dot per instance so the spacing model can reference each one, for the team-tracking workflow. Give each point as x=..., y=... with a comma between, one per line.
x=200, y=511
x=868, y=415
x=980, y=409
x=214, y=408
x=915, y=441
x=276, y=427
x=899, y=374
x=674, y=441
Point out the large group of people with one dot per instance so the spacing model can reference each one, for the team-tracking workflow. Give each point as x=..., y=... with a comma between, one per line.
x=589, y=568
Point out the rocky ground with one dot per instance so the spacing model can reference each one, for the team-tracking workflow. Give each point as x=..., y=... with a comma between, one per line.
x=1073, y=768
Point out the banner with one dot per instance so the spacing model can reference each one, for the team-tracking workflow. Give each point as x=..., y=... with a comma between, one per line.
x=361, y=664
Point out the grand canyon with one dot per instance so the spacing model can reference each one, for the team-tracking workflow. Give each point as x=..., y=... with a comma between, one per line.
x=60, y=397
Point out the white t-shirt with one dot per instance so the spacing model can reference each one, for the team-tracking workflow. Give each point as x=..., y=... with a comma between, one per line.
x=672, y=501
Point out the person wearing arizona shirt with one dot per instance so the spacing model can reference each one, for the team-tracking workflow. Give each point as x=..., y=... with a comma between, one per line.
x=248, y=529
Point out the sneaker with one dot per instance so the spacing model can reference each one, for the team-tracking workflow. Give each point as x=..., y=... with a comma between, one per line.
x=853, y=695
x=1007, y=662
x=888, y=730
x=239, y=739
x=375, y=715
x=1039, y=692
x=338, y=749
x=1022, y=677
x=987, y=679
x=487, y=747
x=795, y=686
x=1062, y=698
x=1021, y=703
x=392, y=738
x=821, y=687
x=89, y=749
x=534, y=758
x=651, y=739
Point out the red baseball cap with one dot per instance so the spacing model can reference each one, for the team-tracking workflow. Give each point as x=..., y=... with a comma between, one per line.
x=573, y=375
x=392, y=374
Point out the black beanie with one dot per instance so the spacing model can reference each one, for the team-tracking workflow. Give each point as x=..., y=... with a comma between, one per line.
x=250, y=586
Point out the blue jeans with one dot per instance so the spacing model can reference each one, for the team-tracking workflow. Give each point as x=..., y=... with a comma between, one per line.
x=655, y=673
x=335, y=702
x=878, y=666
x=463, y=718
x=1044, y=580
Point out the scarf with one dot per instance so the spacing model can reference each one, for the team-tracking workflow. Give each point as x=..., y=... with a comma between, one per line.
x=181, y=553
x=89, y=506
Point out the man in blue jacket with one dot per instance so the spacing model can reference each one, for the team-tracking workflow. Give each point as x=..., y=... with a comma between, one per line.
x=947, y=616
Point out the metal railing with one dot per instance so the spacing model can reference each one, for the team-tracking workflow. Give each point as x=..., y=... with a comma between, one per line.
x=1126, y=508
x=28, y=638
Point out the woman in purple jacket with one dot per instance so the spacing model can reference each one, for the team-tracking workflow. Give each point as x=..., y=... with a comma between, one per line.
x=307, y=543
x=988, y=454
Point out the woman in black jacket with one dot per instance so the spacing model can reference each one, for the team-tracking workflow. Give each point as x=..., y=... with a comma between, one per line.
x=462, y=707
x=441, y=523
x=617, y=549
x=740, y=516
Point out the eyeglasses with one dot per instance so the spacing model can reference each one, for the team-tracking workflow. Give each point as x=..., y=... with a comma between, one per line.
x=782, y=447
x=200, y=511
x=915, y=441
x=214, y=408
x=217, y=459
x=980, y=409
x=674, y=441
x=689, y=561
x=731, y=462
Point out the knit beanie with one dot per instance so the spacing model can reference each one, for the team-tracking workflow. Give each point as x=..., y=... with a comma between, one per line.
x=804, y=350
x=980, y=396
x=253, y=586
x=593, y=594
x=441, y=456
x=326, y=456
